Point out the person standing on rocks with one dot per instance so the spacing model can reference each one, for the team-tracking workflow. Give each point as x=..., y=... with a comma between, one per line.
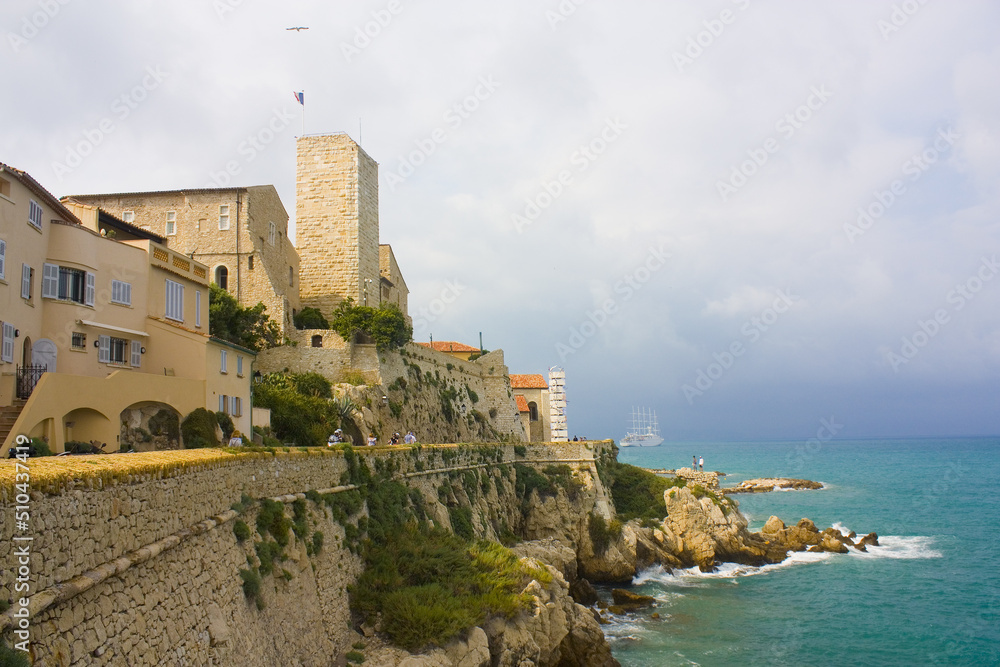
x=701, y=463
x=694, y=462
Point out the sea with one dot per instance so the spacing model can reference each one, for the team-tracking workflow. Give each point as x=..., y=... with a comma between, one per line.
x=930, y=595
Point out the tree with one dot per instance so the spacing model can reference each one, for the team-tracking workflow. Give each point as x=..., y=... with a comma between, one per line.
x=386, y=325
x=247, y=327
x=310, y=318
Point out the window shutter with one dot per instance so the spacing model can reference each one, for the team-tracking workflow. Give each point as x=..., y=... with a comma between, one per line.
x=222, y=402
x=7, y=348
x=116, y=291
x=197, y=308
x=237, y=407
x=25, y=281
x=104, y=349
x=136, y=353
x=239, y=365
x=50, y=281
x=3, y=258
x=91, y=292
x=224, y=356
x=127, y=294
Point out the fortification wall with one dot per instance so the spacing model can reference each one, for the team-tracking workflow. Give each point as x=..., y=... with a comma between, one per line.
x=145, y=569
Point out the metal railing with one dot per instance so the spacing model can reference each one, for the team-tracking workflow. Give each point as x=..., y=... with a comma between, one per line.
x=27, y=378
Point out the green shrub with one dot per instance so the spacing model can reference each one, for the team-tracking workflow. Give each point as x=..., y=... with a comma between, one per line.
x=226, y=424
x=198, y=429
x=528, y=479
x=241, y=530
x=562, y=476
x=473, y=396
x=355, y=657
x=312, y=384
x=354, y=378
x=638, y=493
x=251, y=587
x=520, y=450
x=295, y=417
x=41, y=447
x=461, y=522
x=317, y=542
x=386, y=325
x=310, y=318
x=603, y=533
x=271, y=519
x=395, y=408
x=267, y=553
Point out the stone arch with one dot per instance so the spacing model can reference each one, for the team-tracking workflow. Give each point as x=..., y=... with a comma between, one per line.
x=89, y=425
x=149, y=426
x=532, y=411
x=221, y=275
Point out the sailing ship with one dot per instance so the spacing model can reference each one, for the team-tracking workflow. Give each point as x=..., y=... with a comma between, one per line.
x=645, y=431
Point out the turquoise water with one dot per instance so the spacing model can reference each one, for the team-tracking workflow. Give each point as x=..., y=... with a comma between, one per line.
x=929, y=596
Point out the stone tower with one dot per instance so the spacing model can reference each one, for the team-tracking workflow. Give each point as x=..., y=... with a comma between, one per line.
x=336, y=219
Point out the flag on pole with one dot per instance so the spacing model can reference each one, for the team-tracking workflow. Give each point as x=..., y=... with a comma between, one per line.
x=300, y=98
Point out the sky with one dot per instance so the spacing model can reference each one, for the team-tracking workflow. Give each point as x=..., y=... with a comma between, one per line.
x=762, y=220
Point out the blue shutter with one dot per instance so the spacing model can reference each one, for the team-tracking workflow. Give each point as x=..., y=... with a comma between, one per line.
x=104, y=349
x=50, y=281
x=136, y=353
x=91, y=290
x=25, y=281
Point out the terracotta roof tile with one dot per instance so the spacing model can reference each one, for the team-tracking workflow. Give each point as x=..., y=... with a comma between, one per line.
x=450, y=346
x=528, y=382
x=522, y=404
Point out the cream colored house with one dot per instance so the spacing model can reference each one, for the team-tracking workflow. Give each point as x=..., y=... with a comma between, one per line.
x=532, y=395
x=100, y=335
x=240, y=233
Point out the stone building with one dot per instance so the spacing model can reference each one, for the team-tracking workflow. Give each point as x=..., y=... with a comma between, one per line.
x=453, y=348
x=240, y=233
x=99, y=335
x=532, y=395
x=337, y=227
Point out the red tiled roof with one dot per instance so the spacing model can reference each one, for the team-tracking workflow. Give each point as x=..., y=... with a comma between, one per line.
x=528, y=382
x=522, y=404
x=449, y=346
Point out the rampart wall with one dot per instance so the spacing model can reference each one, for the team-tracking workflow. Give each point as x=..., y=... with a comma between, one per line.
x=144, y=568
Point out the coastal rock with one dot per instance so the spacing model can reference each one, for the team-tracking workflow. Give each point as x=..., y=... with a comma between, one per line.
x=624, y=598
x=766, y=484
x=655, y=546
x=773, y=526
x=871, y=539
x=616, y=564
x=710, y=528
x=583, y=592
x=550, y=551
x=555, y=630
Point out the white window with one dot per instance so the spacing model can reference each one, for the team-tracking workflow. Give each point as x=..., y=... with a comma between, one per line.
x=121, y=292
x=175, y=301
x=239, y=365
x=34, y=214
x=223, y=403
x=91, y=293
x=7, y=348
x=27, y=278
x=128, y=216
x=50, y=281
x=136, y=356
x=171, y=223
x=3, y=259
x=224, y=217
x=225, y=362
x=111, y=350
x=271, y=231
x=197, y=308
x=235, y=406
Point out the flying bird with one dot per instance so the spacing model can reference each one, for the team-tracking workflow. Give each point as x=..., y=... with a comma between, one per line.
x=297, y=28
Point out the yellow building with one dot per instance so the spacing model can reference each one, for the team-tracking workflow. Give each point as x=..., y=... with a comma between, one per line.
x=240, y=233
x=452, y=348
x=103, y=338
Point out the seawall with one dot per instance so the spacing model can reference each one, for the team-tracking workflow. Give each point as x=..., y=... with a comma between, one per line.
x=134, y=559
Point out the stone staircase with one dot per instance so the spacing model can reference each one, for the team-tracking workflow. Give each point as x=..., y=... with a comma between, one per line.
x=9, y=415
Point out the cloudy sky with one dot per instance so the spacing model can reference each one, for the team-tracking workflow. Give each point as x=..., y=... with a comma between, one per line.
x=749, y=216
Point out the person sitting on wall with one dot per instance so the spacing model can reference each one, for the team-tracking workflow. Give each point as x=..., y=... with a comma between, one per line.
x=410, y=438
x=236, y=440
x=394, y=440
x=372, y=440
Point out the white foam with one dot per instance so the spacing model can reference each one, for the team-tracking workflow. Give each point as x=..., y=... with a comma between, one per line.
x=902, y=547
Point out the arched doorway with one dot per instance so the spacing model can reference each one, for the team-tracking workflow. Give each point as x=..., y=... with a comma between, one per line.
x=26, y=352
x=43, y=353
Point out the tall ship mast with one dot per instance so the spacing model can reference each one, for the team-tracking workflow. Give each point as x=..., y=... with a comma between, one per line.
x=645, y=431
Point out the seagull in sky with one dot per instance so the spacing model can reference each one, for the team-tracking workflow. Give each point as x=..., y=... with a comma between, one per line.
x=297, y=28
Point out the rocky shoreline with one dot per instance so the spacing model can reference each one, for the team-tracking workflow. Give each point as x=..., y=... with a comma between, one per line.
x=767, y=484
